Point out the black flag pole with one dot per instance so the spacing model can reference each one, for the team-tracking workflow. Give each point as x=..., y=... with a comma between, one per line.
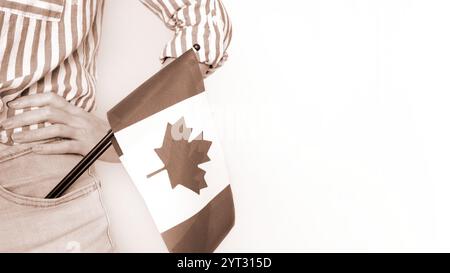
x=82, y=166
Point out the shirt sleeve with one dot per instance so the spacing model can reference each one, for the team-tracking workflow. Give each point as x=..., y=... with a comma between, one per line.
x=201, y=24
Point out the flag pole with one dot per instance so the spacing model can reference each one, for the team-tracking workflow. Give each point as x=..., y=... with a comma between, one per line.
x=82, y=166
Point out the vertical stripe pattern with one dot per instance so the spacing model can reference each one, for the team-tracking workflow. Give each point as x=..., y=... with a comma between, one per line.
x=202, y=22
x=48, y=46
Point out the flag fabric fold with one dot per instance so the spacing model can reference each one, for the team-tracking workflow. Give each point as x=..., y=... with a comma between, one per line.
x=165, y=137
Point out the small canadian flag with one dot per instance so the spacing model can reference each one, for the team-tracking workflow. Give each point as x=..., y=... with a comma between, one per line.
x=166, y=141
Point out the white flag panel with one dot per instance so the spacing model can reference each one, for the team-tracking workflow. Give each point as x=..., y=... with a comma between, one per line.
x=138, y=142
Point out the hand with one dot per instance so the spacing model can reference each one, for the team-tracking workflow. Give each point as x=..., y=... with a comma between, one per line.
x=79, y=129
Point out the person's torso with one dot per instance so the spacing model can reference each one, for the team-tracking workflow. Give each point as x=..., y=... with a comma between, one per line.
x=48, y=46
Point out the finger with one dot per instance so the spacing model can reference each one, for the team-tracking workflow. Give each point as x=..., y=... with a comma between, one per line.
x=52, y=115
x=61, y=147
x=41, y=100
x=54, y=131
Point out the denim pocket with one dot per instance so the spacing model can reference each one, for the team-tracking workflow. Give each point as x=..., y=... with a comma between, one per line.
x=76, y=222
x=45, y=203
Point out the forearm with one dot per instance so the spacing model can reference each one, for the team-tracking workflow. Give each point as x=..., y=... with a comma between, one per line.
x=200, y=23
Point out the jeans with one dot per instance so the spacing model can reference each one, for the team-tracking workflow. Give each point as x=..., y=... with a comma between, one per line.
x=76, y=222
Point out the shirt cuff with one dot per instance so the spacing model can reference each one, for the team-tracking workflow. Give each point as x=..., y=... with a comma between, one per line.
x=210, y=49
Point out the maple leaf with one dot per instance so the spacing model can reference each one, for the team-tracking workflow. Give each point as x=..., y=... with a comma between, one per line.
x=181, y=157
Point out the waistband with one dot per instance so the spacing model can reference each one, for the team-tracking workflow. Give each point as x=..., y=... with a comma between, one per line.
x=8, y=152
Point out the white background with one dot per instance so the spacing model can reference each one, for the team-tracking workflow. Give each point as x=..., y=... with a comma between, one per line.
x=333, y=116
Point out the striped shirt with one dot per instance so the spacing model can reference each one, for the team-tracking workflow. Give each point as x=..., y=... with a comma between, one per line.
x=51, y=46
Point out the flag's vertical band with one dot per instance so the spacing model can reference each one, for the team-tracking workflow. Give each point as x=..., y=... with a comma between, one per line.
x=204, y=231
